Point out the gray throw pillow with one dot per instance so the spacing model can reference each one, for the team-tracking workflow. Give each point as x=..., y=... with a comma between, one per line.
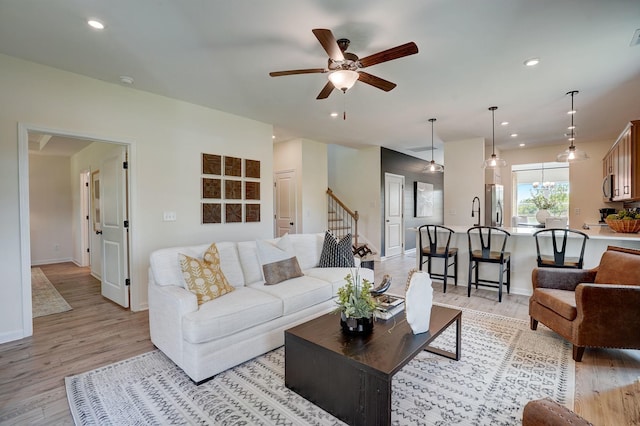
x=281, y=270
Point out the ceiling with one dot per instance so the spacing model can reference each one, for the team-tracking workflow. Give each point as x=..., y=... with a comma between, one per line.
x=471, y=53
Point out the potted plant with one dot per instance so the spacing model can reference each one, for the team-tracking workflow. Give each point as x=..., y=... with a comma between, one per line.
x=356, y=304
x=543, y=204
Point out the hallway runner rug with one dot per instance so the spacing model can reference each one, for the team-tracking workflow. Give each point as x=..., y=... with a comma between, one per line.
x=503, y=366
x=45, y=299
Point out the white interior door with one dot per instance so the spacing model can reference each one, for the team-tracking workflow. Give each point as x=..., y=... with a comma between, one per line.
x=113, y=208
x=285, y=203
x=393, y=214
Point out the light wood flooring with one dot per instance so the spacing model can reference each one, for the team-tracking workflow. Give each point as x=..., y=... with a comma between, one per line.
x=97, y=332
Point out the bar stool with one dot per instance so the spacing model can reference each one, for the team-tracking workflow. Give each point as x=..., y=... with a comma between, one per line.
x=559, y=258
x=481, y=239
x=436, y=245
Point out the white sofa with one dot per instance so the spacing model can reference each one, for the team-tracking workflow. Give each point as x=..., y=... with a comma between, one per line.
x=245, y=323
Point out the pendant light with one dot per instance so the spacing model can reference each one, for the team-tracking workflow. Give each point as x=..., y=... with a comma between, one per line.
x=572, y=153
x=494, y=161
x=433, y=167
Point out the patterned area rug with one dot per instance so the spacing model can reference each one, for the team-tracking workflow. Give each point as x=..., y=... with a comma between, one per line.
x=45, y=299
x=503, y=366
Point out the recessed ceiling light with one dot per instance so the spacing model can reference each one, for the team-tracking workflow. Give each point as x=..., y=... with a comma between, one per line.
x=571, y=127
x=334, y=114
x=573, y=111
x=125, y=79
x=504, y=123
x=522, y=144
x=531, y=62
x=95, y=24
x=273, y=136
x=514, y=135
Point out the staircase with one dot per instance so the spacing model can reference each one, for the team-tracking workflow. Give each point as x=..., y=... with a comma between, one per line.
x=342, y=221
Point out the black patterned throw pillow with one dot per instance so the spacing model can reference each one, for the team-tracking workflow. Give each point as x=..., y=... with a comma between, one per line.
x=336, y=253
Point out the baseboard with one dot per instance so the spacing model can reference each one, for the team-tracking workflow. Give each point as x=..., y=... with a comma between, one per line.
x=51, y=261
x=10, y=336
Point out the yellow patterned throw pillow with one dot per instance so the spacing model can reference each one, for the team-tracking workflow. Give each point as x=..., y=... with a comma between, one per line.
x=204, y=277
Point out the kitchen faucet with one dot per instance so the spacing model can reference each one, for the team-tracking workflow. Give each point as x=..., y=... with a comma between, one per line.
x=474, y=211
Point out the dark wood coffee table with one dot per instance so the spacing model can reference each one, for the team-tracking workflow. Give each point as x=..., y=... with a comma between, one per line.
x=350, y=376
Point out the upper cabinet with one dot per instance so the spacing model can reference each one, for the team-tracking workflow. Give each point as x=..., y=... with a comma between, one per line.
x=621, y=165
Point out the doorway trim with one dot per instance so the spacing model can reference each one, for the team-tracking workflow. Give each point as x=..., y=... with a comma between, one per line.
x=24, y=209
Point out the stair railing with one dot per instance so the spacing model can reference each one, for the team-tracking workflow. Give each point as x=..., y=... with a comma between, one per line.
x=342, y=220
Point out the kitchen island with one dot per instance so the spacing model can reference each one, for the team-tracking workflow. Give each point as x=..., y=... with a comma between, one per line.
x=522, y=246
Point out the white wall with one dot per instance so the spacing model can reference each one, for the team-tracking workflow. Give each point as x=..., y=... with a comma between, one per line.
x=309, y=160
x=315, y=181
x=354, y=176
x=51, y=203
x=166, y=137
x=585, y=179
x=463, y=180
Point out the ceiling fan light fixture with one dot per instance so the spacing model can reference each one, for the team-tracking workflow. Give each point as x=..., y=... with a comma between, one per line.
x=494, y=161
x=343, y=79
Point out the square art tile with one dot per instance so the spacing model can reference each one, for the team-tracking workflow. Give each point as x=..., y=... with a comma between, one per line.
x=211, y=164
x=233, y=213
x=211, y=213
x=232, y=166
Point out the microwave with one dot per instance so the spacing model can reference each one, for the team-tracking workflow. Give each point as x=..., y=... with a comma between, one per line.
x=608, y=187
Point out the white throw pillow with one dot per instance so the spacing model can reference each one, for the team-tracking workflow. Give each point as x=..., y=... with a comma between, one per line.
x=274, y=251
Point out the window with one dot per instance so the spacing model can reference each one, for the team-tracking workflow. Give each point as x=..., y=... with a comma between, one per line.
x=540, y=185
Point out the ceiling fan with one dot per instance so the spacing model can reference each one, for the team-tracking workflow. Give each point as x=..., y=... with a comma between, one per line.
x=344, y=67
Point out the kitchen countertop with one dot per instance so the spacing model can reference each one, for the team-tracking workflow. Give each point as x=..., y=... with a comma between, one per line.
x=523, y=251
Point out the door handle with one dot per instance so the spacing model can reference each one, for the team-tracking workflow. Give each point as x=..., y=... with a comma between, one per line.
x=98, y=232
x=291, y=223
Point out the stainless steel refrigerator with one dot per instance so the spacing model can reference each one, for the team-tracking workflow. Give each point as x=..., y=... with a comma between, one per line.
x=493, y=204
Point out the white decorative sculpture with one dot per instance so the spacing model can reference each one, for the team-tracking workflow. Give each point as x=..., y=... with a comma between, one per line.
x=418, y=301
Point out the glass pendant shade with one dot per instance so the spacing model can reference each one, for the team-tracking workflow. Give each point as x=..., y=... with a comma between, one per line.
x=494, y=161
x=433, y=167
x=572, y=153
x=343, y=79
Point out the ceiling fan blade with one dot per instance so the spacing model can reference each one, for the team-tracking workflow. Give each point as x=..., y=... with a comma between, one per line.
x=326, y=91
x=328, y=42
x=389, y=54
x=293, y=72
x=378, y=82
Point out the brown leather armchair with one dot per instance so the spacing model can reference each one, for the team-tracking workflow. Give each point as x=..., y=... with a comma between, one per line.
x=597, y=307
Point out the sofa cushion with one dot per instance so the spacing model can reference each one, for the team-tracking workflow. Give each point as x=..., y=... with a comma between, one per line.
x=165, y=264
x=204, y=277
x=618, y=267
x=237, y=311
x=274, y=251
x=282, y=270
x=251, y=268
x=230, y=263
x=336, y=275
x=336, y=253
x=307, y=248
x=562, y=302
x=298, y=293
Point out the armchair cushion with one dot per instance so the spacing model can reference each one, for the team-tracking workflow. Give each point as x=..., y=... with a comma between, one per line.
x=618, y=267
x=561, y=302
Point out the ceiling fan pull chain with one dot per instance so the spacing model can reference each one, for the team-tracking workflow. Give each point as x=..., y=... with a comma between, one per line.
x=344, y=107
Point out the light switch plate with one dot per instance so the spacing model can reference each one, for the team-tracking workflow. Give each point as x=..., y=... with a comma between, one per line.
x=169, y=216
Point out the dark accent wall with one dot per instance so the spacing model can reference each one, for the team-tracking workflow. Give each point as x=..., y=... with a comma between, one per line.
x=411, y=168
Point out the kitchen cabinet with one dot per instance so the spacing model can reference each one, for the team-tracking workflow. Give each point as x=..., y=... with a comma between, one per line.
x=622, y=162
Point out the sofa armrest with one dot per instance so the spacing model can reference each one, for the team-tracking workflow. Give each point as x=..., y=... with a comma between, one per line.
x=608, y=315
x=561, y=278
x=167, y=307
